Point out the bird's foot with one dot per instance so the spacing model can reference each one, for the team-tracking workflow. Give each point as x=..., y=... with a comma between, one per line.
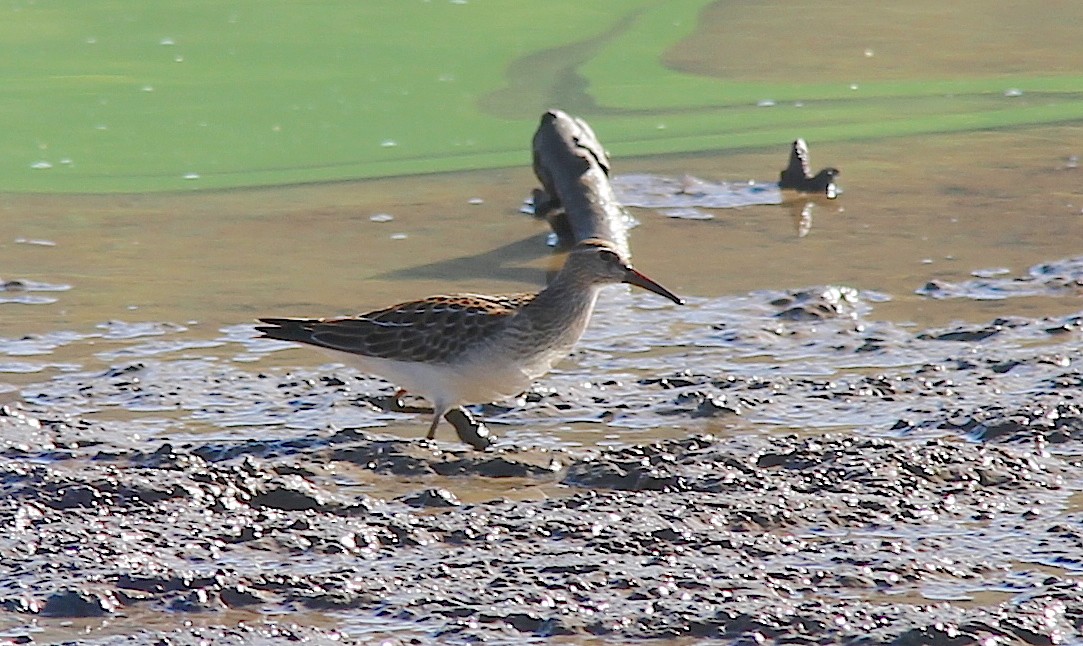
x=470, y=430
x=396, y=404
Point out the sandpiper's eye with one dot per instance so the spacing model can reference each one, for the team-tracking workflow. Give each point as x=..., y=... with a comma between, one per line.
x=609, y=256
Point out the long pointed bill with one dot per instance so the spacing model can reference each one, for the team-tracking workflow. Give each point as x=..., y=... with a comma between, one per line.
x=633, y=277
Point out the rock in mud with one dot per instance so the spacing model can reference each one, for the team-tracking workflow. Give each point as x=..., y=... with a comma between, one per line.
x=1057, y=278
x=80, y=603
x=435, y=497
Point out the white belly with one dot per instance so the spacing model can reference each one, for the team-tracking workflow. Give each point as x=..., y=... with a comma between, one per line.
x=449, y=384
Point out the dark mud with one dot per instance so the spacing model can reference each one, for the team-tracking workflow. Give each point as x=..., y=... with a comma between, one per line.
x=813, y=539
x=830, y=478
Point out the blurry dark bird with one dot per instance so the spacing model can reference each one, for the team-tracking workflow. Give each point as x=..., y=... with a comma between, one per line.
x=798, y=174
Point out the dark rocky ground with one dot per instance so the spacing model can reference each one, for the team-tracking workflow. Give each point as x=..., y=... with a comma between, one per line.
x=948, y=510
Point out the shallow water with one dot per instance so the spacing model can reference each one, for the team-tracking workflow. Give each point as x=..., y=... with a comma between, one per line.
x=176, y=279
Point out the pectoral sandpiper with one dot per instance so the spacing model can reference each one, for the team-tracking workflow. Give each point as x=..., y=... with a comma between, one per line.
x=471, y=348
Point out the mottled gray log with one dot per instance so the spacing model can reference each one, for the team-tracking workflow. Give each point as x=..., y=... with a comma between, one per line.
x=576, y=197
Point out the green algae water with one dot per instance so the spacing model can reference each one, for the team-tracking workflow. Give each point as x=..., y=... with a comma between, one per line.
x=126, y=96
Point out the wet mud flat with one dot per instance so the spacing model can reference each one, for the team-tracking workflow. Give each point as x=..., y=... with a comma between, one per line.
x=867, y=483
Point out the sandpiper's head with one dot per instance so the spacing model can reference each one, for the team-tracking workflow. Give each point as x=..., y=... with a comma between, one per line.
x=600, y=263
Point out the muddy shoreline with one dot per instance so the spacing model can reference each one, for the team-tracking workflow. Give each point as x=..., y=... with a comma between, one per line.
x=931, y=498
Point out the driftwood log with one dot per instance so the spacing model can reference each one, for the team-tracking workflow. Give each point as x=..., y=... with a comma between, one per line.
x=798, y=175
x=576, y=197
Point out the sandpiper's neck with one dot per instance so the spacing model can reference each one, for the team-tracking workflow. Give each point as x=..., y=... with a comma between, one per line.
x=569, y=296
x=559, y=313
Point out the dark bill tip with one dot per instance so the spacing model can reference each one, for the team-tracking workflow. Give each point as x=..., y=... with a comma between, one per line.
x=633, y=277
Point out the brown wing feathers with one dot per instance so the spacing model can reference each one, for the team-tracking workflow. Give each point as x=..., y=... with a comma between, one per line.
x=433, y=329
